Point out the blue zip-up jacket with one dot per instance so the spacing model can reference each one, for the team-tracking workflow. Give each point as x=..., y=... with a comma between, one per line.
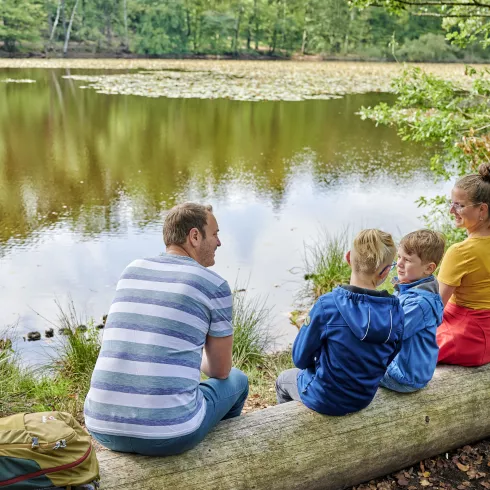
x=344, y=348
x=414, y=366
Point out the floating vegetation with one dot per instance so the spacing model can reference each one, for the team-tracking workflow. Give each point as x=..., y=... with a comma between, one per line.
x=236, y=80
x=17, y=80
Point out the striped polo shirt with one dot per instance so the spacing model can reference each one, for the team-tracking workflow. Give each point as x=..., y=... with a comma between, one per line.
x=145, y=382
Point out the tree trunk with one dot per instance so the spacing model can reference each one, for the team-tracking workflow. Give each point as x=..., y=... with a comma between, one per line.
x=68, y=32
x=237, y=28
x=256, y=21
x=305, y=28
x=125, y=14
x=291, y=447
x=55, y=23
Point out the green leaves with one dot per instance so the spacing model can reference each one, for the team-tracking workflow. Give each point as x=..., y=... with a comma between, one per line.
x=452, y=115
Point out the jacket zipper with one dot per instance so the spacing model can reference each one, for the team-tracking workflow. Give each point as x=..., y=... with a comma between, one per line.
x=67, y=466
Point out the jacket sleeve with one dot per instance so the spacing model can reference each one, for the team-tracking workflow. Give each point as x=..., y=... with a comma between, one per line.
x=414, y=318
x=307, y=345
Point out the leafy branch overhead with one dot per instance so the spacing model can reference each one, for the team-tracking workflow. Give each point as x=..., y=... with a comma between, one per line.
x=453, y=116
x=466, y=21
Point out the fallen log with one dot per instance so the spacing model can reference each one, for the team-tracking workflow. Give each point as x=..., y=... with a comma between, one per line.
x=291, y=447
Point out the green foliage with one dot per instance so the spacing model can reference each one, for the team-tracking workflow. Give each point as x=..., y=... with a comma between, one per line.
x=230, y=27
x=251, y=320
x=453, y=116
x=19, y=22
x=428, y=47
x=325, y=264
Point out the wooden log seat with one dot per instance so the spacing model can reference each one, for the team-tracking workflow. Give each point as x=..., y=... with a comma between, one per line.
x=290, y=447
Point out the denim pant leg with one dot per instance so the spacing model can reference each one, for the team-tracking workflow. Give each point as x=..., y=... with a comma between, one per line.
x=388, y=382
x=287, y=386
x=224, y=399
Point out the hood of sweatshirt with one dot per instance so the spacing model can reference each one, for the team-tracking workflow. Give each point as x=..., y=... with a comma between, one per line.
x=424, y=289
x=372, y=317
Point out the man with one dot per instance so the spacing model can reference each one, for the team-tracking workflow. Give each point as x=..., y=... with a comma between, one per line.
x=145, y=396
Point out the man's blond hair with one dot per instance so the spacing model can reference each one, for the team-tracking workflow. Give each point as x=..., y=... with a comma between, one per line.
x=428, y=245
x=371, y=250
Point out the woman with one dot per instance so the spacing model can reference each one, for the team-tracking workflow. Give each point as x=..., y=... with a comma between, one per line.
x=464, y=278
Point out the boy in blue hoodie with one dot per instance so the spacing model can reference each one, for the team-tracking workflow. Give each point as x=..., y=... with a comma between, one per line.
x=417, y=289
x=350, y=336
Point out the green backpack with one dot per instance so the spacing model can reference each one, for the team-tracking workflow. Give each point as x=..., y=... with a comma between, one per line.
x=45, y=450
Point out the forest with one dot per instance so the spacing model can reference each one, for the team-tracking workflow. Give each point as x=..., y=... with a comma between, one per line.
x=231, y=28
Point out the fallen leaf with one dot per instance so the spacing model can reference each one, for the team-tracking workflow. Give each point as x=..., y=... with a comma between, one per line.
x=463, y=467
x=402, y=482
x=426, y=474
x=485, y=484
x=425, y=483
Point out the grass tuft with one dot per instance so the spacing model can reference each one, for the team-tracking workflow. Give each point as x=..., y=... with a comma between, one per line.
x=325, y=264
x=251, y=339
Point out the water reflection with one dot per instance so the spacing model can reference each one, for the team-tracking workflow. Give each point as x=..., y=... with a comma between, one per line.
x=85, y=179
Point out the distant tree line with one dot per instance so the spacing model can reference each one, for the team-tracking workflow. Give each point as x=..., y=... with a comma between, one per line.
x=223, y=27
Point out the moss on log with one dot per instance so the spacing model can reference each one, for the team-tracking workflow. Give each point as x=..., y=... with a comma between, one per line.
x=289, y=446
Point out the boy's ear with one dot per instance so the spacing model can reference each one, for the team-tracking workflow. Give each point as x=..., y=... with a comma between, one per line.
x=385, y=273
x=430, y=268
x=347, y=257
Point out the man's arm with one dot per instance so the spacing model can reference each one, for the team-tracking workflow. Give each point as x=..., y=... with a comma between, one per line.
x=216, y=362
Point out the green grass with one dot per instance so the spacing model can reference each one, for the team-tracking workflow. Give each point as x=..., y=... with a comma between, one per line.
x=251, y=339
x=325, y=264
x=64, y=383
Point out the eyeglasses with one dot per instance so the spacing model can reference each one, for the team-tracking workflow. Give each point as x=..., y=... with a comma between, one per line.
x=392, y=266
x=459, y=207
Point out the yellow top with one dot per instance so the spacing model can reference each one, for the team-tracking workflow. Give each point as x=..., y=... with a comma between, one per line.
x=466, y=265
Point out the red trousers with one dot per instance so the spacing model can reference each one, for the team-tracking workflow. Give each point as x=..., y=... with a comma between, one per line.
x=464, y=336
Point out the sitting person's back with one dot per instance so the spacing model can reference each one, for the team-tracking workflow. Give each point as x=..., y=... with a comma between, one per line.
x=417, y=289
x=145, y=395
x=350, y=336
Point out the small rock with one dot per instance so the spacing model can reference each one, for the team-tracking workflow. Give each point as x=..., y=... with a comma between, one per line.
x=49, y=332
x=33, y=336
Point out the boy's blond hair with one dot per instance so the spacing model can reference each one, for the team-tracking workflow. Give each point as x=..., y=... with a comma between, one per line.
x=428, y=245
x=372, y=249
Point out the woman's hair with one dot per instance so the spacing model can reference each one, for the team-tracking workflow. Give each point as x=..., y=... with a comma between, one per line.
x=181, y=219
x=477, y=185
x=372, y=249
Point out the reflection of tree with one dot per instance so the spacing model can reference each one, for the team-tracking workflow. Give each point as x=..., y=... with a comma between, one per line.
x=98, y=162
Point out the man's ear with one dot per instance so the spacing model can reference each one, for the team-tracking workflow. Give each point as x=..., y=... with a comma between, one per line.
x=194, y=236
x=347, y=257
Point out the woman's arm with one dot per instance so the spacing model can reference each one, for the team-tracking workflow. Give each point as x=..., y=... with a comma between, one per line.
x=446, y=292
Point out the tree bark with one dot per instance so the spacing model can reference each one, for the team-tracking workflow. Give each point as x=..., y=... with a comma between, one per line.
x=55, y=23
x=125, y=14
x=68, y=31
x=291, y=447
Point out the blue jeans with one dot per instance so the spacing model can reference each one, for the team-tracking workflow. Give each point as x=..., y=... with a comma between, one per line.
x=388, y=382
x=224, y=399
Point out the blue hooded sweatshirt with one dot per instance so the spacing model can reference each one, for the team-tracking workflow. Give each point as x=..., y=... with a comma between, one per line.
x=414, y=366
x=344, y=347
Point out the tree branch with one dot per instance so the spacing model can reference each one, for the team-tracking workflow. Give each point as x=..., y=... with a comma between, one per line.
x=462, y=16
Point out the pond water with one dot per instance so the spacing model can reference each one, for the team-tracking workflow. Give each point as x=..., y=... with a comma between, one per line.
x=85, y=180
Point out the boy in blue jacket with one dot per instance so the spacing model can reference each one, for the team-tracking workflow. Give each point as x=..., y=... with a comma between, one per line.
x=350, y=336
x=419, y=254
